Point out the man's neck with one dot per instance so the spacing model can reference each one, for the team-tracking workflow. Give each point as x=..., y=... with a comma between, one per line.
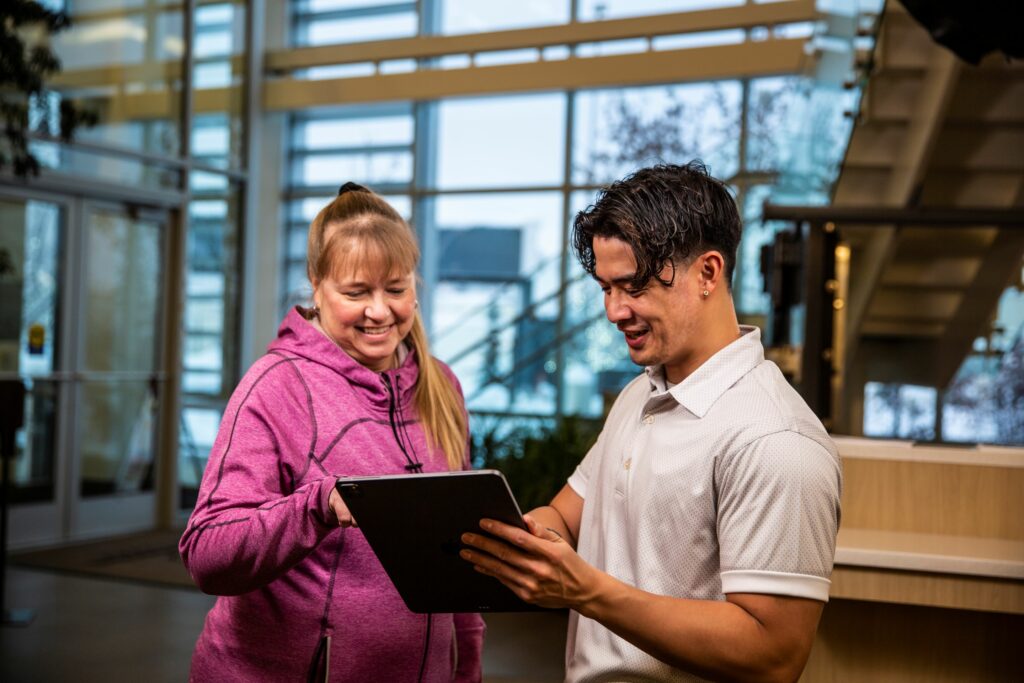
x=722, y=329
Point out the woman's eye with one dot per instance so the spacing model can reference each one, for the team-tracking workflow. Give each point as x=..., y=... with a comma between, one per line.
x=396, y=292
x=355, y=294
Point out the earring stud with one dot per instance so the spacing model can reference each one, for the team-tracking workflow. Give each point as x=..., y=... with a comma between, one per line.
x=706, y=293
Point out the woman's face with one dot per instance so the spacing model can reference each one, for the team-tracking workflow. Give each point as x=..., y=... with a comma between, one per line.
x=367, y=314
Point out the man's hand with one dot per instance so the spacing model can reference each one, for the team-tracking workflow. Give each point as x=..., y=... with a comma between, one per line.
x=340, y=510
x=539, y=566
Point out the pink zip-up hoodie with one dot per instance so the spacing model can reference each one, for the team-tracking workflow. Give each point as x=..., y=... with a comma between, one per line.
x=296, y=590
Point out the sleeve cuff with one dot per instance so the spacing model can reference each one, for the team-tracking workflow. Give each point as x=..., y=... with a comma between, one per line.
x=776, y=583
x=578, y=483
x=326, y=514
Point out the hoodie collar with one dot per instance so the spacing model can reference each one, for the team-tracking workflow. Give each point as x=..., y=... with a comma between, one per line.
x=299, y=337
x=698, y=392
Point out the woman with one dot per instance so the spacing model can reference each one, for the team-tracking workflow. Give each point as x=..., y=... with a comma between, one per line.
x=347, y=388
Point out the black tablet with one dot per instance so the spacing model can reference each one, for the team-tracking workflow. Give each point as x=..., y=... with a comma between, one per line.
x=414, y=523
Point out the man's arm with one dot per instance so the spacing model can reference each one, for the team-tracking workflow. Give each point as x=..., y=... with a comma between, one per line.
x=562, y=515
x=748, y=637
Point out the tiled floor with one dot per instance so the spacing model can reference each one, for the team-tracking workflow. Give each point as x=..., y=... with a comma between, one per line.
x=88, y=629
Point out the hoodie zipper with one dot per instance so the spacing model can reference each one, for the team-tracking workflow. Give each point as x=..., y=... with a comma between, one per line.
x=411, y=465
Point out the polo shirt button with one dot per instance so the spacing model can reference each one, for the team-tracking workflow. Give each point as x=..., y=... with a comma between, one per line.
x=648, y=419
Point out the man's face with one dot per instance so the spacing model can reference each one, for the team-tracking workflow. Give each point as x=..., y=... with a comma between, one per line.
x=659, y=323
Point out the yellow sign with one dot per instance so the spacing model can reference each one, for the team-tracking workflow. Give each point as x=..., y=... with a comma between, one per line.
x=36, y=339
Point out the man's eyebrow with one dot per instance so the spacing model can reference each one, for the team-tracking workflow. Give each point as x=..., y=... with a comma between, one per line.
x=621, y=280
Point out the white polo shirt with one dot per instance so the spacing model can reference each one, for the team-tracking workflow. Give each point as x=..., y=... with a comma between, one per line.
x=725, y=483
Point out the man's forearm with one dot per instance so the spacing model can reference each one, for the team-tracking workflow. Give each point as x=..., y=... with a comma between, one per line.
x=549, y=517
x=710, y=638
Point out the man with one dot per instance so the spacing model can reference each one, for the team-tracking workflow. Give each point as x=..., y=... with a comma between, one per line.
x=696, y=538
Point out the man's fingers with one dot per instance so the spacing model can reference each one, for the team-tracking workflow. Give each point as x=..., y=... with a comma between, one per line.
x=490, y=565
x=497, y=549
x=544, y=532
x=527, y=540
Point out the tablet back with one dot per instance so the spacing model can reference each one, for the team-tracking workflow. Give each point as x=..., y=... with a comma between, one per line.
x=413, y=522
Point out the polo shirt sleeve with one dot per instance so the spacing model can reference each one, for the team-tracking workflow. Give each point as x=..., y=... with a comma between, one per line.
x=778, y=517
x=582, y=475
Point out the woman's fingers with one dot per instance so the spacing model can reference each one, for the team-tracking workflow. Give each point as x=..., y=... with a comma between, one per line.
x=340, y=510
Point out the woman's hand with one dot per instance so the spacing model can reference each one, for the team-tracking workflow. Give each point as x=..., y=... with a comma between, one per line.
x=340, y=510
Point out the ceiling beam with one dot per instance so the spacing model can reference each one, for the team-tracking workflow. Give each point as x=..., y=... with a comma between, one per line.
x=745, y=60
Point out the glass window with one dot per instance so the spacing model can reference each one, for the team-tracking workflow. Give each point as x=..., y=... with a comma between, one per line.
x=123, y=293
x=355, y=131
x=775, y=108
x=30, y=248
x=748, y=280
x=210, y=289
x=501, y=141
x=985, y=401
x=495, y=302
x=196, y=434
x=590, y=10
x=686, y=41
x=612, y=47
x=379, y=168
x=473, y=16
x=619, y=131
x=327, y=31
x=31, y=244
x=899, y=410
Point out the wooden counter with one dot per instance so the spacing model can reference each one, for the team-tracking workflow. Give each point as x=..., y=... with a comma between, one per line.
x=928, y=583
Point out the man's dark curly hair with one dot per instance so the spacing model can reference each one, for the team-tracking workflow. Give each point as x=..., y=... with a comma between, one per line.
x=666, y=214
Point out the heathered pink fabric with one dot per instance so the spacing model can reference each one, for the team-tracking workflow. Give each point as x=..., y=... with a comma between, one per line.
x=263, y=538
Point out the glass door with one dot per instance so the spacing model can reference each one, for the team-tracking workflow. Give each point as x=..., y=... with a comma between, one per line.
x=82, y=320
x=119, y=384
x=33, y=386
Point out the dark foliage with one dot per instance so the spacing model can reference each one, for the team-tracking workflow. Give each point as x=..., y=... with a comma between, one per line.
x=536, y=463
x=26, y=105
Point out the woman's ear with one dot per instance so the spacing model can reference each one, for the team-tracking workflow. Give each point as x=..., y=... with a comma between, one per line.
x=316, y=294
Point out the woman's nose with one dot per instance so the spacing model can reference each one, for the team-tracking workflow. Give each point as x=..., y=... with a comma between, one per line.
x=377, y=309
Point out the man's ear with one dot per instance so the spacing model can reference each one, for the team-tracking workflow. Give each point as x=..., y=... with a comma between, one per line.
x=712, y=269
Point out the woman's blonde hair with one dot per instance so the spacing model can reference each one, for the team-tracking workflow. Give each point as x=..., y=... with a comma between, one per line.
x=358, y=229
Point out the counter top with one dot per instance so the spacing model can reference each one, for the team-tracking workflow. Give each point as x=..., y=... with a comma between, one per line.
x=989, y=557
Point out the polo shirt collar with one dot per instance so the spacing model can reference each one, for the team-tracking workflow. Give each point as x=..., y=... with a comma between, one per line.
x=698, y=392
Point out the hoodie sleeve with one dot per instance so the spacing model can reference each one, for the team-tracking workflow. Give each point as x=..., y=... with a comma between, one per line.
x=248, y=528
x=469, y=639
